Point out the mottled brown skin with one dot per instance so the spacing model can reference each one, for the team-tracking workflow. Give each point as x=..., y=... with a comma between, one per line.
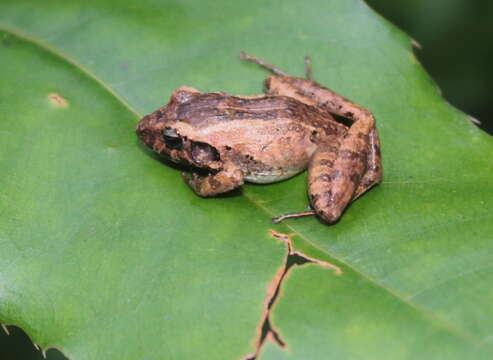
x=339, y=172
x=227, y=140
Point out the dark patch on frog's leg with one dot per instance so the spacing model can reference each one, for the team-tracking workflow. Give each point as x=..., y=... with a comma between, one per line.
x=227, y=179
x=351, y=155
x=373, y=174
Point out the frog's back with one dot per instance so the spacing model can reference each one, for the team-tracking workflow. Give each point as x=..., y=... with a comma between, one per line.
x=269, y=137
x=205, y=109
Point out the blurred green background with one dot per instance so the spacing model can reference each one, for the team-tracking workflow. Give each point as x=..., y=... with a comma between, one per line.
x=456, y=37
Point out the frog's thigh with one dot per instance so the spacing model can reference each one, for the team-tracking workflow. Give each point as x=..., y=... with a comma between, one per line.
x=373, y=174
x=320, y=181
x=334, y=178
x=225, y=180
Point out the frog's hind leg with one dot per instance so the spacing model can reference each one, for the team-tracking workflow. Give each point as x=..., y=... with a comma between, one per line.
x=273, y=69
x=319, y=176
x=338, y=175
x=308, y=68
x=333, y=177
x=355, y=168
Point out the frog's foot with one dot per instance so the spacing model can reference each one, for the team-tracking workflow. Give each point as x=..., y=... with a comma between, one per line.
x=295, y=215
x=308, y=68
x=273, y=69
x=227, y=179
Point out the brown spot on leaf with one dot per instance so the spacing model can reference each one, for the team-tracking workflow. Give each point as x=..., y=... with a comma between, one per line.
x=284, y=237
x=58, y=100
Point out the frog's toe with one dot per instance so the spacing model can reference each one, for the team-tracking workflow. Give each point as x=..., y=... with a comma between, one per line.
x=329, y=215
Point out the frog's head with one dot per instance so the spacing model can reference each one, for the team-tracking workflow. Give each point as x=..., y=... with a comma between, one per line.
x=173, y=138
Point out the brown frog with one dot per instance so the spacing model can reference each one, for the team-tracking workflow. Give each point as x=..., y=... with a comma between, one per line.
x=298, y=124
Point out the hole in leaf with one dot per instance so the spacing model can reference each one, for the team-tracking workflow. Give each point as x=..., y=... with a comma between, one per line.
x=16, y=345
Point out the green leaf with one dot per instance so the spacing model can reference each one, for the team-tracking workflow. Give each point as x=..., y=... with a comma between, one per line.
x=105, y=251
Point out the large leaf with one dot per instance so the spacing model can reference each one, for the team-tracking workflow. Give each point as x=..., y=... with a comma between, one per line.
x=105, y=251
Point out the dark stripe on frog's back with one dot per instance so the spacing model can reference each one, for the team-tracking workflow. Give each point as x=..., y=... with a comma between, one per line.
x=206, y=108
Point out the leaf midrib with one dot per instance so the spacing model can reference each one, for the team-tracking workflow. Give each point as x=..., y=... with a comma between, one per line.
x=70, y=60
x=432, y=317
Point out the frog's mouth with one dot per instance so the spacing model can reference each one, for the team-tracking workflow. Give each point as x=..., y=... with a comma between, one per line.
x=202, y=172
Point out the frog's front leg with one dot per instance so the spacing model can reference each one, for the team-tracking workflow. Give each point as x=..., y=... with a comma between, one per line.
x=228, y=178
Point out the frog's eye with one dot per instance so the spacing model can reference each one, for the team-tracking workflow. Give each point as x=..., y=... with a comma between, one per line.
x=172, y=139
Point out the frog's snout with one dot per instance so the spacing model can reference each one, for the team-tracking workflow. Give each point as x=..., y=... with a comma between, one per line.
x=144, y=131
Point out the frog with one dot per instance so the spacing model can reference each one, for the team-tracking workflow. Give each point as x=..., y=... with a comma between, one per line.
x=297, y=124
